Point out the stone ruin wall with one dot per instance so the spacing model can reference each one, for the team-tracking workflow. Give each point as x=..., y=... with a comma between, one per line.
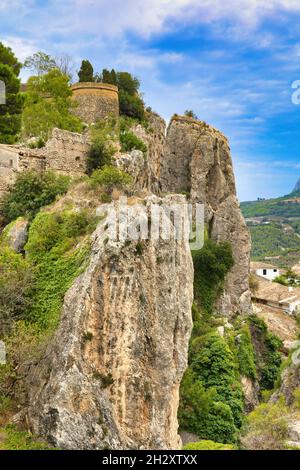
x=64, y=153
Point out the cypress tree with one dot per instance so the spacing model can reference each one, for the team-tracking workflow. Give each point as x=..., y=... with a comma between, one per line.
x=86, y=72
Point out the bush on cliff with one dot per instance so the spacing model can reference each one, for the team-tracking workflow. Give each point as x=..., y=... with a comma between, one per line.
x=130, y=141
x=30, y=192
x=211, y=264
x=208, y=445
x=213, y=363
x=266, y=428
x=16, y=277
x=103, y=137
x=110, y=177
x=201, y=413
x=267, y=353
x=54, y=250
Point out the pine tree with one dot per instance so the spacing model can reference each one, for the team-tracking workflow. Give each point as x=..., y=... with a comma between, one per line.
x=10, y=112
x=86, y=72
x=7, y=57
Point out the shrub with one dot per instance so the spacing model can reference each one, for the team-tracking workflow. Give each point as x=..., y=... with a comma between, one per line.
x=16, y=276
x=129, y=141
x=211, y=264
x=109, y=177
x=201, y=413
x=246, y=355
x=191, y=114
x=214, y=364
x=267, y=356
x=208, y=445
x=14, y=439
x=103, y=136
x=30, y=192
x=53, y=249
x=266, y=427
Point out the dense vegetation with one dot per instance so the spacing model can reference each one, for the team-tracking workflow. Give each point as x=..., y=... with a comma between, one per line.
x=30, y=192
x=271, y=240
x=280, y=207
x=10, y=112
x=212, y=401
x=277, y=231
x=48, y=104
x=211, y=265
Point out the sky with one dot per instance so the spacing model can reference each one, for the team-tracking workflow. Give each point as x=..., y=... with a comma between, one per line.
x=233, y=62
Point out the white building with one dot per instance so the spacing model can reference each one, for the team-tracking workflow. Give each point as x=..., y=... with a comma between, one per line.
x=265, y=270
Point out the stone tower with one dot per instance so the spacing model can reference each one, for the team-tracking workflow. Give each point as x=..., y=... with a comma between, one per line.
x=95, y=101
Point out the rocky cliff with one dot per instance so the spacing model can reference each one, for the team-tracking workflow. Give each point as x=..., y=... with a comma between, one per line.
x=110, y=377
x=197, y=160
x=111, y=374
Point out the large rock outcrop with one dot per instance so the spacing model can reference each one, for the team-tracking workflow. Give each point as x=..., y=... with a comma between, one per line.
x=110, y=377
x=197, y=160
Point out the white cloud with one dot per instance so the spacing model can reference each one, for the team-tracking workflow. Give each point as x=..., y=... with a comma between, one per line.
x=21, y=47
x=146, y=17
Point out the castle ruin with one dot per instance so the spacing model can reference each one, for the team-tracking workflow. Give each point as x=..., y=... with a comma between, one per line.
x=65, y=152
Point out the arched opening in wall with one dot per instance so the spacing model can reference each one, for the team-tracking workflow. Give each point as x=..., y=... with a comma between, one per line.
x=11, y=163
x=77, y=159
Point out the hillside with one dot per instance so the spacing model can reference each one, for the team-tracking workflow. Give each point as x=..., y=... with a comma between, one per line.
x=275, y=228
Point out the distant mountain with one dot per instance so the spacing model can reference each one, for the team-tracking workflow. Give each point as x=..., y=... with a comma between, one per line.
x=274, y=225
x=297, y=187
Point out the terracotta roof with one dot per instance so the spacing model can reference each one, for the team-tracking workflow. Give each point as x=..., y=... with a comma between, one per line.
x=275, y=292
x=262, y=265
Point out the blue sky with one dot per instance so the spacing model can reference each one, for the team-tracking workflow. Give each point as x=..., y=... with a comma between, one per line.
x=233, y=62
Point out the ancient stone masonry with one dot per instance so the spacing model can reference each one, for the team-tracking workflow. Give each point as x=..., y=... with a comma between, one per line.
x=65, y=152
x=110, y=377
x=8, y=166
x=95, y=101
x=197, y=160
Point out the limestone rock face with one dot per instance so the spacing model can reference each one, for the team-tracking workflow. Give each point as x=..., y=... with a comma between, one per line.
x=154, y=138
x=16, y=234
x=135, y=164
x=110, y=377
x=290, y=381
x=197, y=160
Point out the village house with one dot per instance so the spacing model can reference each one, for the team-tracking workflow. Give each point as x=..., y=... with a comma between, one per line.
x=277, y=296
x=265, y=270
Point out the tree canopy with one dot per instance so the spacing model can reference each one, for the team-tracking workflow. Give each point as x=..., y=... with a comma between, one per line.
x=10, y=112
x=86, y=72
x=48, y=105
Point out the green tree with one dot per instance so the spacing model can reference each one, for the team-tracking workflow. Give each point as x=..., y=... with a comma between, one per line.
x=7, y=57
x=109, y=76
x=40, y=63
x=48, y=104
x=128, y=83
x=86, y=72
x=30, y=192
x=10, y=112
